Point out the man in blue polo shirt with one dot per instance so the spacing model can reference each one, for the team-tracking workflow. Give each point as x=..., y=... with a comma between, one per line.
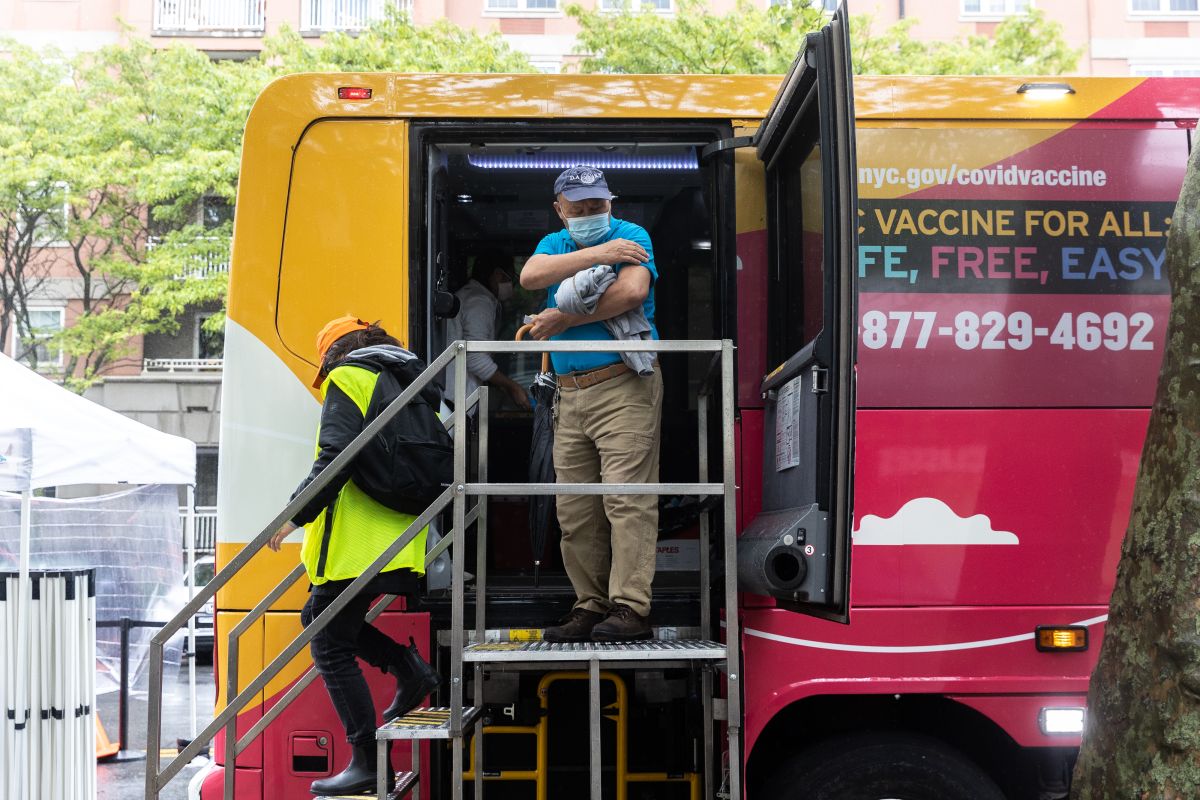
x=607, y=417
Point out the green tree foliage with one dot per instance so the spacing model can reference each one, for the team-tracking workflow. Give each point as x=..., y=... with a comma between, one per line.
x=394, y=44
x=33, y=110
x=149, y=139
x=1027, y=44
x=746, y=40
x=752, y=40
x=108, y=164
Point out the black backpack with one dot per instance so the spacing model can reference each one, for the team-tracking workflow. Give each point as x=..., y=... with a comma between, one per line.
x=408, y=464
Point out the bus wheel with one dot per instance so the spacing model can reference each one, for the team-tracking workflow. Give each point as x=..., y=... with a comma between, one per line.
x=881, y=766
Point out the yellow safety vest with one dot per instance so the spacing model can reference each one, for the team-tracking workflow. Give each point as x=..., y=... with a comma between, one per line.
x=362, y=528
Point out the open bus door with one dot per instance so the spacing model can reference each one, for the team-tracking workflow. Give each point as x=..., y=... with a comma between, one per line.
x=798, y=548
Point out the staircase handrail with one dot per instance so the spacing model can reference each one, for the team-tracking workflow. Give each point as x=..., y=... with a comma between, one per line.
x=155, y=780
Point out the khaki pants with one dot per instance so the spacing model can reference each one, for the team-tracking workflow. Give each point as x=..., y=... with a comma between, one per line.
x=609, y=433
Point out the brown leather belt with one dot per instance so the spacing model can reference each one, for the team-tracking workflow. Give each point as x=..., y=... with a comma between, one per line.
x=591, y=377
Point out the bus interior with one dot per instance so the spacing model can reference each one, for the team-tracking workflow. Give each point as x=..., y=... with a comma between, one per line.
x=491, y=192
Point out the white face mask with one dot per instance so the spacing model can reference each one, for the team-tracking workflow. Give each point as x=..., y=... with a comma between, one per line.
x=504, y=291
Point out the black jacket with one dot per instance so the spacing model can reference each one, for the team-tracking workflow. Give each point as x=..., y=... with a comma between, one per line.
x=341, y=421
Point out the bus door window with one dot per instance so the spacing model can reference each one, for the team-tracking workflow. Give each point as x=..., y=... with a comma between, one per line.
x=797, y=280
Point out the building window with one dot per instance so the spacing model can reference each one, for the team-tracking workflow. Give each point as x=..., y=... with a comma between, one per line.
x=1164, y=6
x=994, y=8
x=1165, y=70
x=535, y=6
x=215, y=212
x=210, y=17
x=548, y=64
x=206, y=477
x=210, y=213
x=30, y=347
x=50, y=229
x=828, y=6
x=209, y=344
x=634, y=5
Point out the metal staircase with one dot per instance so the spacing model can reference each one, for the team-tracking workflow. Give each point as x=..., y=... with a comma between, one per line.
x=457, y=722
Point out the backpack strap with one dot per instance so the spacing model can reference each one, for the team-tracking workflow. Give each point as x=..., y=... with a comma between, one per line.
x=325, y=536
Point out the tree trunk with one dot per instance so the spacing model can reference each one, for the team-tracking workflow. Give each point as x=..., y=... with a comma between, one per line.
x=1143, y=732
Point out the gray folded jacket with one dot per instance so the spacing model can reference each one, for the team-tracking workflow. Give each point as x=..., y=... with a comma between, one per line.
x=580, y=293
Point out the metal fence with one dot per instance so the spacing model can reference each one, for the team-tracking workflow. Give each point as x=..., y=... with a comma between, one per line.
x=204, y=265
x=206, y=529
x=345, y=15
x=183, y=364
x=201, y=16
x=200, y=265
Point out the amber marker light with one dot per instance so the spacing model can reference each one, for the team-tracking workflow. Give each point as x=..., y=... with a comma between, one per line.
x=1064, y=638
x=354, y=93
x=1045, y=91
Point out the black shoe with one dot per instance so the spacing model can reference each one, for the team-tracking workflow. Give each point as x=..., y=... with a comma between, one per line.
x=622, y=624
x=415, y=680
x=357, y=778
x=574, y=627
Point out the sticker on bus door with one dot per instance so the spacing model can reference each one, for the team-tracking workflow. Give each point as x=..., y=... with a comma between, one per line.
x=1014, y=267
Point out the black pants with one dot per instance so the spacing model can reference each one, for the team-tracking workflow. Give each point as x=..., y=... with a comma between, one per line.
x=348, y=637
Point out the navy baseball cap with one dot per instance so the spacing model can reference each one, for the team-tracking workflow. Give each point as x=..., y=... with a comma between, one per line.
x=582, y=182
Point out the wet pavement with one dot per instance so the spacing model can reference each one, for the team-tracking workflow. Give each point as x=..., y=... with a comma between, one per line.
x=126, y=780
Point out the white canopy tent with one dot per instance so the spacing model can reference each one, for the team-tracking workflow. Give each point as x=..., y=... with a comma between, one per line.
x=78, y=441
x=50, y=436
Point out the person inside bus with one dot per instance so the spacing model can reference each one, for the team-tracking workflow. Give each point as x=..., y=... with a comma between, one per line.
x=478, y=319
x=607, y=415
x=359, y=532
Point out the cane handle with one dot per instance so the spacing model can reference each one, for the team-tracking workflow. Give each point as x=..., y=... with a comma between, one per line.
x=521, y=331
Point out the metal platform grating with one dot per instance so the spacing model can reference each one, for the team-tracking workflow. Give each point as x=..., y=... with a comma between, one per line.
x=425, y=723
x=648, y=650
x=404, y=782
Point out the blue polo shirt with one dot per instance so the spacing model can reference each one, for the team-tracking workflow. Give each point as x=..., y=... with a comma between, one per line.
x=559, y=242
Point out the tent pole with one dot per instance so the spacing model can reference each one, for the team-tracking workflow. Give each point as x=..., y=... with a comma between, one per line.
x=189, y=529
x=24, y=611
x=26, y=535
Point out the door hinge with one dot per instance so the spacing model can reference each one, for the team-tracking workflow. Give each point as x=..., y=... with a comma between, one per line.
x=820, y=380
x=721, y=145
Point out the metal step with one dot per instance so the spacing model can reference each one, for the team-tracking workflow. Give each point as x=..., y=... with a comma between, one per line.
x=646, y=650
x=405, y=781
x=425, y=723
x=528, y=634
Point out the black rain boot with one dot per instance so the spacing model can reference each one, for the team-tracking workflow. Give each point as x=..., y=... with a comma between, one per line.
x=357, y=778
x=414, y=680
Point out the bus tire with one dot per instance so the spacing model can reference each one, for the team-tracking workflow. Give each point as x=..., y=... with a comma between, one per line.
x=880, y=766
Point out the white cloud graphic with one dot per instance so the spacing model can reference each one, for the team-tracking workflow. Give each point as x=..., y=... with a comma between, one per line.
x=927, y=520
